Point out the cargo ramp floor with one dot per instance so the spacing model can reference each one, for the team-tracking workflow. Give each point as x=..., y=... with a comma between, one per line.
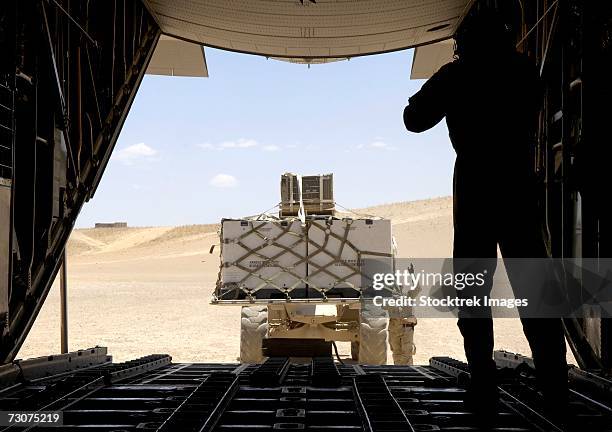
x=152, y=393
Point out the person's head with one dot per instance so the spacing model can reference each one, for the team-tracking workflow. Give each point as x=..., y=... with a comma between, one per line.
x=482, y=35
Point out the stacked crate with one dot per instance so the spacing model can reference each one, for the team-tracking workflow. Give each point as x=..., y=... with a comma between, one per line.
x=322, y=253
x=317, y=195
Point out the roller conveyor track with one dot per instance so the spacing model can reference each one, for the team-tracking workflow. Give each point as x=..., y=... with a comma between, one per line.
x=324, y=372
x=271, y=372
x=519, y=396
x=379, y=409
x=153, y=394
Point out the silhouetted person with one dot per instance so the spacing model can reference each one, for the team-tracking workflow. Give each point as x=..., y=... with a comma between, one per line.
x=490, y=96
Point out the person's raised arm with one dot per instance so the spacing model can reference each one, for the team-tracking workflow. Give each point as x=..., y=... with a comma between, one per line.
x=428, y=106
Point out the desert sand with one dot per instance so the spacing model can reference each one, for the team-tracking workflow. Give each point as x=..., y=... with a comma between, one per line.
x=147, y=290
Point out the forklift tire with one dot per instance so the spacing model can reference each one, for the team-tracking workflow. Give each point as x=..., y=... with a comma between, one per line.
x=253, y=329
x=372, y=336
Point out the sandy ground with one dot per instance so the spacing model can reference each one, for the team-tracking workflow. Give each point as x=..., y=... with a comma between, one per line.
x=139, y=291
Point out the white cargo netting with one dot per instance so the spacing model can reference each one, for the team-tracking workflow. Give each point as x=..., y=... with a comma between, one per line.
x=257, y=254
x=286, y=259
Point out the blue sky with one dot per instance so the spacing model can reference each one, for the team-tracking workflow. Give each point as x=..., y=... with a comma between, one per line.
x=194, y=150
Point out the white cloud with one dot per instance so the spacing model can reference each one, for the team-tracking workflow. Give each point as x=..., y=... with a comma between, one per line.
x=223, y=181
x=240, y=144
x=271, y=148
x=377, y=145
x=135, y=152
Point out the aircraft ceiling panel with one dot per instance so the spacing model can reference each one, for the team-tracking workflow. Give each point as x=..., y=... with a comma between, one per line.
x=327, y=28
x=429, y=58
x=175, y=57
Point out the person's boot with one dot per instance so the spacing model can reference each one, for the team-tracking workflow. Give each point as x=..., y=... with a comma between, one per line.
x=556, y=406
x=482, y=395
x=482, y=401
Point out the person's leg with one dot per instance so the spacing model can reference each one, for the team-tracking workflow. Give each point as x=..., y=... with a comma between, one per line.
x=476, y=323
x=522, y=238
x=401, y=332
x=547, y=342
x=476, y=327
x=395, y=339
x=475, y=249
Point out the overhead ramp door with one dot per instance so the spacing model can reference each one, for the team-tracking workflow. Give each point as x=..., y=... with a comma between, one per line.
x=327, y=28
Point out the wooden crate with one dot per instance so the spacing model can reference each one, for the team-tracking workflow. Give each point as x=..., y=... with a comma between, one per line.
x=317, y=195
